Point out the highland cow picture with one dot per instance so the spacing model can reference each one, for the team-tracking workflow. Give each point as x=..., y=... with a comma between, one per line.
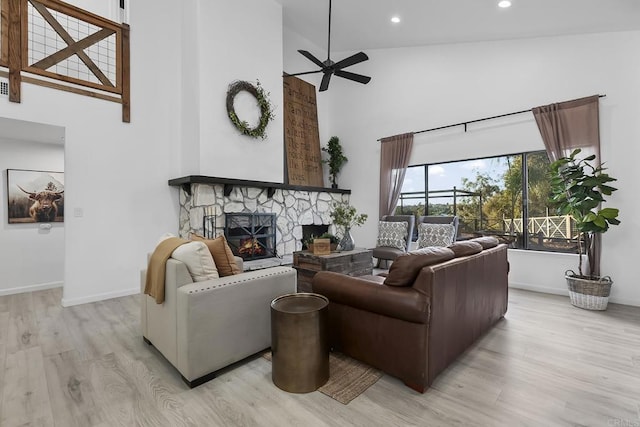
x=35, y=196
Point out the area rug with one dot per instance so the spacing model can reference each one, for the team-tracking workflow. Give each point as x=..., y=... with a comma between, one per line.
x=348, y=378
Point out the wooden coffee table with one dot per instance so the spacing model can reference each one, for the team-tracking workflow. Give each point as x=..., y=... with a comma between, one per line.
x=358, y=262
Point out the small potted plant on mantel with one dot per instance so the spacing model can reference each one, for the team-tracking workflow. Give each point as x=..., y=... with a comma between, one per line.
x=336, y=159
x=577, y=189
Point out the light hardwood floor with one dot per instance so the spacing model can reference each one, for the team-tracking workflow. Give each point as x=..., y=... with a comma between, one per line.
x=546, y=364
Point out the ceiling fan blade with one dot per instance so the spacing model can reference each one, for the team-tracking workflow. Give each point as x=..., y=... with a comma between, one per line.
x=311, y=58
x=301, y=74
x=352, y=60
x=353, y=76
x=324, y=85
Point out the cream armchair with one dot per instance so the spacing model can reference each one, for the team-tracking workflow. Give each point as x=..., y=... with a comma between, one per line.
x=205, y=326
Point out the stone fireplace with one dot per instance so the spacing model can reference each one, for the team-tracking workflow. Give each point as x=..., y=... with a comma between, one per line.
x=210, y=202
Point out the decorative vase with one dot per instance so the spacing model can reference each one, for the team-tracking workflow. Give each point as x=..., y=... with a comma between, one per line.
x=347, y=243
x=334, y=185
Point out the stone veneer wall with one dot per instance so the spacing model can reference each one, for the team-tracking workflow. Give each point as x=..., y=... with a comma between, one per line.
x=293, y=209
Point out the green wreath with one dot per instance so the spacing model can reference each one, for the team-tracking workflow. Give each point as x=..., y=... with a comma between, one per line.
x=266, y=109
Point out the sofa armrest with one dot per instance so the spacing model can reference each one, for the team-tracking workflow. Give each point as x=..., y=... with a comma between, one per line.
x=221, y=321
x=159, y=320
x=369, y=293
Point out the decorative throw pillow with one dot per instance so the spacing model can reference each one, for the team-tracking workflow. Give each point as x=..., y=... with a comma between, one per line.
x=435, y=235
x=198, y=259
x=392, y=234
x=222, y=254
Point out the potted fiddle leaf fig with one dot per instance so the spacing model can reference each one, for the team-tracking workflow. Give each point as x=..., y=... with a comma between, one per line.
x=578, y=189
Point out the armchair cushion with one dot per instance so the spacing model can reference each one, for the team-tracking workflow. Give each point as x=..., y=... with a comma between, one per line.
x=198, y=259
x=435, y=235
x=385, y=252
x=222, y=254
x=392, y=234
x=405, y=268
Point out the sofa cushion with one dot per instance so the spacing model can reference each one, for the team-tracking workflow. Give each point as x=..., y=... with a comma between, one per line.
x=222, y=254
x=392, y=234
x=465, y=248
x=435, y=235
x=405, y=268
x=486, y=241
x=198, y=259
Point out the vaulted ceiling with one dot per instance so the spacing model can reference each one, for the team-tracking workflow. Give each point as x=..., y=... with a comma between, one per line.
x=366, y=24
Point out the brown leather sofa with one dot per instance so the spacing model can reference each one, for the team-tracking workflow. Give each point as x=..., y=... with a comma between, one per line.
x=433, y=304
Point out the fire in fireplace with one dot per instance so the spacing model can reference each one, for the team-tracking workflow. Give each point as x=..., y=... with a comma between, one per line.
x=250, y=247
x=251, y=235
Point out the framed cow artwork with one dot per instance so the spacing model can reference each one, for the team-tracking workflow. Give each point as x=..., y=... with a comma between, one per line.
x=35, y=196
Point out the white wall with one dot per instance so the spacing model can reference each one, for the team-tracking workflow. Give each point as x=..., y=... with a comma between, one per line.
x=425, y=87
x=30, y=258
x=117, y=173
x=239, y=40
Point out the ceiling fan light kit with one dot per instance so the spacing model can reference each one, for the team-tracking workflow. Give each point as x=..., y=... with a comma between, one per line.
x=329, y=68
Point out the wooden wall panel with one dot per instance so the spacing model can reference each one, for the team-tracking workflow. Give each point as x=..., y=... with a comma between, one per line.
x=302, y=140
x=4, y=32
x=15, y=49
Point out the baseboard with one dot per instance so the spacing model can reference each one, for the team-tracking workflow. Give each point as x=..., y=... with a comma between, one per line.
x=31, y=288
x=615, y=300
x=565, y=292
x=68, y=302
x=536, y=288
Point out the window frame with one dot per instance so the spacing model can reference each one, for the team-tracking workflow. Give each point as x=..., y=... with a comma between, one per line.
x=526, y=235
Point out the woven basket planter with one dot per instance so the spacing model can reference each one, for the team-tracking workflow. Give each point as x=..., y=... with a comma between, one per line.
x=587, y=293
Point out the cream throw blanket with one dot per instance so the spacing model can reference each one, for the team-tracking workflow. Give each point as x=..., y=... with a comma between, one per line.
x=154, y=284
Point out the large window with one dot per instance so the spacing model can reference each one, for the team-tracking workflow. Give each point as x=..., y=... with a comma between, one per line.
x=492, y=196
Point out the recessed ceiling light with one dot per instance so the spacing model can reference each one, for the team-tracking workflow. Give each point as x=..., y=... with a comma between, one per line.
x=395, y=19
x=504, y=3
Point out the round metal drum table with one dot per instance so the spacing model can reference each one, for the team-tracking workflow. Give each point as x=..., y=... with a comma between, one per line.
x=299, y=342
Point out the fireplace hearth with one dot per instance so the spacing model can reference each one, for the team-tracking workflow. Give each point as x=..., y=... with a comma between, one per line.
x=251, y=235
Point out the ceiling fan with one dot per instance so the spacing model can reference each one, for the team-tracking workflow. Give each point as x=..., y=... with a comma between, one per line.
x=329, y=67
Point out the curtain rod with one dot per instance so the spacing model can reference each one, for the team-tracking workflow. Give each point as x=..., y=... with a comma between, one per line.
x=475, y=121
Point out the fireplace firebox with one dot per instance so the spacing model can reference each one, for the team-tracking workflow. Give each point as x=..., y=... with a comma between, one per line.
x=251, y=235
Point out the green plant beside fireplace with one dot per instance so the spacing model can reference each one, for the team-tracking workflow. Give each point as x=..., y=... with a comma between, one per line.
x=345, y=215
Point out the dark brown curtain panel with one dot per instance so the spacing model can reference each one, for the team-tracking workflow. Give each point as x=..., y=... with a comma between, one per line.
x=568, y=125
x=394, y=159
